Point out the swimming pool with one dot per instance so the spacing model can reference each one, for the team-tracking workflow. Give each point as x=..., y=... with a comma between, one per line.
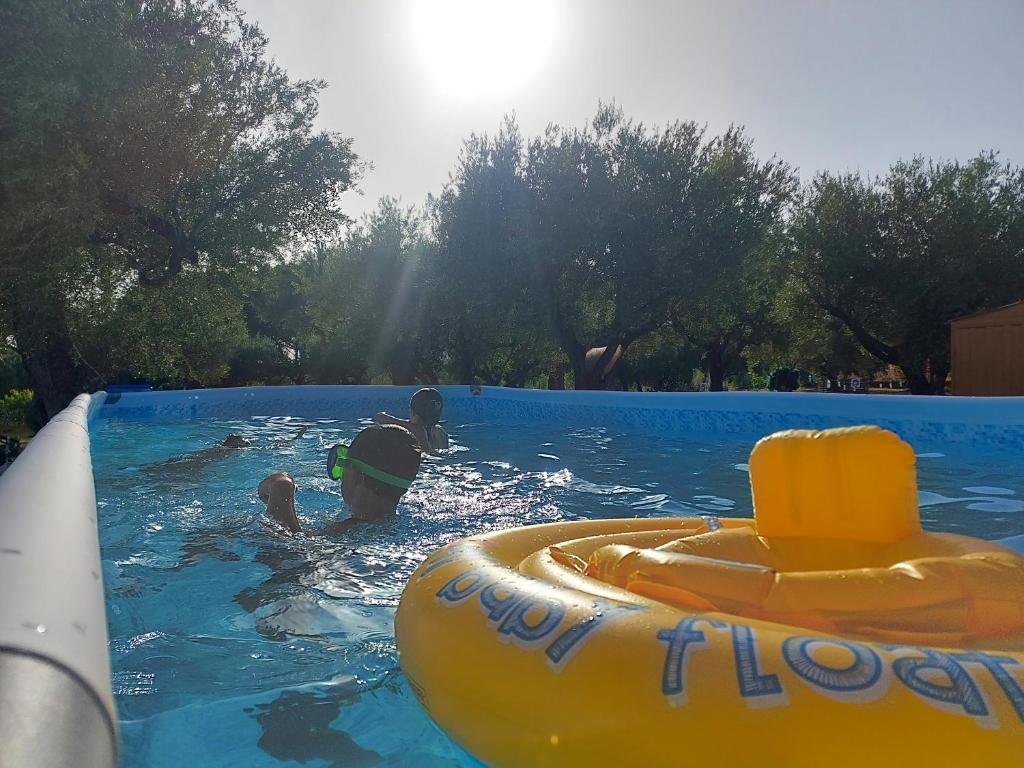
x=233, y=645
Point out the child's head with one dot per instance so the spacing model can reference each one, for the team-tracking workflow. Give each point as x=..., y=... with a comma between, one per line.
x=380, y=464
x=277, y=491
x=427, y=405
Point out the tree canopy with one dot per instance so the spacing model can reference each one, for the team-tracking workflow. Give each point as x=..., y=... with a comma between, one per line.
x=169, y=212
x=896, y=259
x=195, y=152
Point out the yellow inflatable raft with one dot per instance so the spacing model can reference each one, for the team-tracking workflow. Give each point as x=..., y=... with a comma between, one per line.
x=828, y=631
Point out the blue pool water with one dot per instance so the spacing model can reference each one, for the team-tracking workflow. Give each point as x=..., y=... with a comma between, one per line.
x=236, y=646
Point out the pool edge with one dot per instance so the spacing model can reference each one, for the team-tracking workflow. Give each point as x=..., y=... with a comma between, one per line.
x=53, y=628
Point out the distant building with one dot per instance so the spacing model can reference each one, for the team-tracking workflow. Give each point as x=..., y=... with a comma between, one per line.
x=988, y=352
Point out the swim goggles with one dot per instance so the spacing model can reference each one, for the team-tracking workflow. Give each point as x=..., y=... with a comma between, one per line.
x=338, y=458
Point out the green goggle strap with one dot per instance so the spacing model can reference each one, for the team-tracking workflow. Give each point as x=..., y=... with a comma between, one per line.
x=338, y=458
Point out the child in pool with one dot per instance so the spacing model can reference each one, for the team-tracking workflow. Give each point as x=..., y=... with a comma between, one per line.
x=375, y=472
x=425, y=410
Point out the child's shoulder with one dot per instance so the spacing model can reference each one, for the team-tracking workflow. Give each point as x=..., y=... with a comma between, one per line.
x=438, y=436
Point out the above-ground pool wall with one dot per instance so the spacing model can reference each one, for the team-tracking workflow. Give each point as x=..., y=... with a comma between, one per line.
x=56, y=707
x=926, y=422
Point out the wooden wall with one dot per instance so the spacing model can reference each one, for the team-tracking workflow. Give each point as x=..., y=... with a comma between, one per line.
x=988, y=352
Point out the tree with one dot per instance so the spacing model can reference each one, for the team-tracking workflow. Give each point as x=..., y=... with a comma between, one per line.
x=812, y=340
x=722, y=279
x=662, y=361
x=609, y=203
x=896, y=260
x=181, y=335
x=371, y=290
x=48, y=203
x=482, y=301
x=194, y=152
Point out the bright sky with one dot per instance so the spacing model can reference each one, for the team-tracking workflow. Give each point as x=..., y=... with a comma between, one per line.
x=836, y=84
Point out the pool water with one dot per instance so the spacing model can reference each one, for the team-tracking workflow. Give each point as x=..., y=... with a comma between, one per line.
x=234, y=645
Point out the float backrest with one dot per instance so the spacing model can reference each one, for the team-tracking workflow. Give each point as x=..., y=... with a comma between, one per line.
x=855, y=483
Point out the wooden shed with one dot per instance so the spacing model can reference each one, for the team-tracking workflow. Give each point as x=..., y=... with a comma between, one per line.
x=988, y=352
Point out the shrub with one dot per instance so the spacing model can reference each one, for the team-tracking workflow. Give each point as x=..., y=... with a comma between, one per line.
x=758, y=380
x=259, y=361
x=12, y=373
x=784, y=380
x=14, y=408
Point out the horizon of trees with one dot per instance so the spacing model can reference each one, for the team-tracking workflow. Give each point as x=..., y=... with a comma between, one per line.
x=176, y=219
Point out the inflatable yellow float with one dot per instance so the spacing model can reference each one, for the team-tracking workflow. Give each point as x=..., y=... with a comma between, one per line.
x=828, y=631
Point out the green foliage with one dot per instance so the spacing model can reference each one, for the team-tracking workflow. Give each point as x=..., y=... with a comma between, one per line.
x=612, y=202
x=784, y=380
x=177, y=218
x=758, y=380
x=336, y=359
x=811, y=339
x=603, y=234
x=194, y=154
x=368, y=301
x=12, y=373
x=211, y=156
x=895, y=259
x=661, y=362
x=14, y=409
x=259, y=361
x=183, y=334
x=484, y=310
x=726, y=281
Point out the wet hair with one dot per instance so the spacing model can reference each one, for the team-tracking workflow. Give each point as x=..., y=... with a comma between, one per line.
x=235, y=441
x=390, y=448
x=267, y=483
x=428, y=404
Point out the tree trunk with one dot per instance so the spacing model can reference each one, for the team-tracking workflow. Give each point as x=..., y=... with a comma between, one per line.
x=917, y=381
x=940, y=370
x=556, y=377
x=926, y=375
x=583, y=378
x=58, y=372
x=716, y=367
x=576, y=353
x=402, y=363
x=601, y=365
x=465, y=354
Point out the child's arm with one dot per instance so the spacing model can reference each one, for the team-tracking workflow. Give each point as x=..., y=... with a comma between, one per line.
x=387, y=418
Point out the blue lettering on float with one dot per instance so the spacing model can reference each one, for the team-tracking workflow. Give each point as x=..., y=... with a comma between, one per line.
x=960, y=694
x=461, y=587
x=529, y=634
x=528, y=617
x=752, y=683
x=564, y=647
x=498, y=599
x=854, y=681
x=681, y=642
x=995, y=665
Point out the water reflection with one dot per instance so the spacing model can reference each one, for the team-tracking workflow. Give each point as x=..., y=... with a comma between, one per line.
x=297, y=726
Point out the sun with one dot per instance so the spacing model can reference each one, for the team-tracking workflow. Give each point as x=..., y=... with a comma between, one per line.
x=483, y=47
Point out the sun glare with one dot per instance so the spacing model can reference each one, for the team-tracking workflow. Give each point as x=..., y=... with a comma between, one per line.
x=479, y=47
